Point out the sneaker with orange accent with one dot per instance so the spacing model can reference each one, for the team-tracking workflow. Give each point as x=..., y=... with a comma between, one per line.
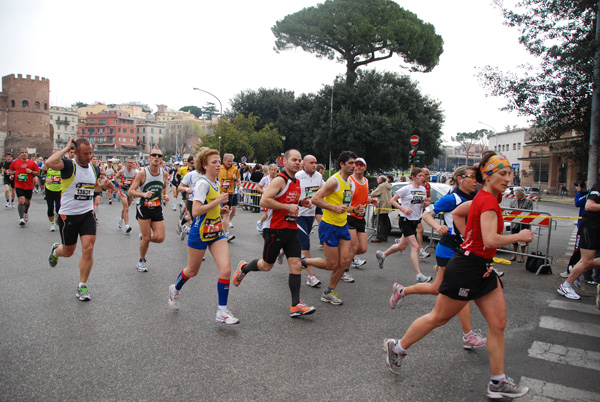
x=301, y=309
x=239, y=274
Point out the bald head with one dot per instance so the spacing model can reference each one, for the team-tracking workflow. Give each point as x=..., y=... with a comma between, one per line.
x=310, y=164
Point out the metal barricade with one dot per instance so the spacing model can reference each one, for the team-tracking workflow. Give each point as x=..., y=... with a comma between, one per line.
x=507, y=198
x=249, y=196
x=541, y=223
x=371, y=220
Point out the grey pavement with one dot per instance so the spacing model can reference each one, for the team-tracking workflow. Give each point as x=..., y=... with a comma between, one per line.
x=127, y=345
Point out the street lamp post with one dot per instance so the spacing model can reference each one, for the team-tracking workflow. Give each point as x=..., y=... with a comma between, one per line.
x=220, y=110
x=495, y=133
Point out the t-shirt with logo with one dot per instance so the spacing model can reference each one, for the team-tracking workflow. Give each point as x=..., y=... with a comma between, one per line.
x=412, y=197
x=309, y=185
x=23, y=180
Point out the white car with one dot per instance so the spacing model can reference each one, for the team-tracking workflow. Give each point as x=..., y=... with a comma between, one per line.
x=438, y=190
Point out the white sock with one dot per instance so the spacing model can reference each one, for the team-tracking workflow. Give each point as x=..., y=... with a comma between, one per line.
x=222, y=309
x=498, y=378
x=467, y=335
x=82, y=284
x=399, y=349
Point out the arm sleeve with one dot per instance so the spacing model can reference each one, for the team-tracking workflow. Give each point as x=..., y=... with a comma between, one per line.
x=201, y=190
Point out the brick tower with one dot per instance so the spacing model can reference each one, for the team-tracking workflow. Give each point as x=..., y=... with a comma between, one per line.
x=25, y=114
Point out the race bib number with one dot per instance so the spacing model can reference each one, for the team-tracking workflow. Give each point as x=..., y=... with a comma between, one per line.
x=109, y=176
x=417, y=199
x=153, y=203
x=127, y=183
x=22, y=177
x=212, y=229
x=227, y=183
x=347, y=198
x=310, y=191
x=84, y=191
x=55, y=180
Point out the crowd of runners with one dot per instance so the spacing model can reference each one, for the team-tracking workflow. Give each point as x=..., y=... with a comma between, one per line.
x=205, y=190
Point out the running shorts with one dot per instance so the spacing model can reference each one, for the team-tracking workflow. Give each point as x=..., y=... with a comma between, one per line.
x=590, y=237
x=278, y=239
x=468, y=277
x=144, y=213
x=331, y=234
x=304, y=227
x=24, y=193
x=357, y=224
x=408, y=227
x=71, y=226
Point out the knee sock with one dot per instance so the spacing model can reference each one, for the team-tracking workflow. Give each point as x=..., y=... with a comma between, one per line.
x=20, y=209
x=26, y=206
x=181, y=280
x=223, y=291
x=251, y=266
x=294, y=281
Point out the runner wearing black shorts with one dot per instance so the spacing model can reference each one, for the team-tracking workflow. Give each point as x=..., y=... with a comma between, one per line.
x=9, y=182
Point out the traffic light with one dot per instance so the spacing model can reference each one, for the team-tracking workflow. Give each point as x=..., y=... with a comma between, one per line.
x=411, y=156
x=138, y=143
x=417, y=156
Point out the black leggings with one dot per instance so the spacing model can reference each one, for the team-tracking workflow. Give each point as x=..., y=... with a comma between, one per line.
x=53, y=202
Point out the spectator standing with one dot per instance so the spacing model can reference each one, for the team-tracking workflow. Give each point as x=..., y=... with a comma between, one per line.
x=384, y=192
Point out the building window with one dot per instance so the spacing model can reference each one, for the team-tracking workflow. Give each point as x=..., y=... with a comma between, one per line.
x=131, y=140
x=519, y=145
x=45, y=106
x=119, y=129
x=131, y=131
x=25, y=104
x=514, y=146
x=36, y=105
x=112, y=131
x=12, y=103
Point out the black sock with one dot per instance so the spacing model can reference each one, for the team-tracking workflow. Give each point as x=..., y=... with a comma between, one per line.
x=26, y=206
x=251, y=266
x=20, y=209
x=294, y=281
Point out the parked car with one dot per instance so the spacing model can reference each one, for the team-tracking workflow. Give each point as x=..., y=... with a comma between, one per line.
x=438, y=190
x=532, y=191
x=510, y=190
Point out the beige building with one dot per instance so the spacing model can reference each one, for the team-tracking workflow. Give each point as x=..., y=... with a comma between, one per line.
x=91, y=109
x=164, y=114
x=64, y=121
x=149, y=134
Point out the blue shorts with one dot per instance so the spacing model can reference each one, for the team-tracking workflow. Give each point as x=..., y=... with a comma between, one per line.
x=304, y=227
x=331, y=234
x=196, y=243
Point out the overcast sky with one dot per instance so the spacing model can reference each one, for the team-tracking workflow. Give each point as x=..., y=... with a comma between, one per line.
x=155, y=52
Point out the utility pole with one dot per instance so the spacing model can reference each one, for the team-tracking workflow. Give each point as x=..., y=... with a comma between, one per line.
x=592, y=176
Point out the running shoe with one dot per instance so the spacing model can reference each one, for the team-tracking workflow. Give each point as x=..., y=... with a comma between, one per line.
x=22, y=222
x=120, y=223
x=424, y=279
x=280, y=257
x=239, y=274
x=26, y=217
x=321, y=246
x=52, y=259
x=109, y=201
x=332, y=298
x=52, y=228
x=598, y=297
x=357, y=262
x=83, y=293
x=505, y=389
x=396, y=297
x=178, y=229
x=128, y=229
x=474, y=341
x=183, y=232
x=174, y=207
x=230, y=237
x=301, y=309
x=565, y=274
x=423, y=254
x=499, y=273
x=393, y=360
x=7, y=204
x=577, y=282
x=141, y=267
x=259, y=226
x=140, y=236
x=346, y=277
x=313, y=281
x=173, y=298
x=226, y=317
x=567, y=290
x=380, y=258
x=230, y=225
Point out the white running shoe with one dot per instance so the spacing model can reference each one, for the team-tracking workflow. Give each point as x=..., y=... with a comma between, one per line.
x=226, y=317
x=128, y=229
x=280, y=257
x=474, y=341
x=313, y=281
x=567, y=290
x=357, y=262
x=505, y=389
x=120, y=223
x=259, y=226
x=393, y=360
x=346, y=277
x=424, y=279
x=230, y=225
x=396, y=297
x=423, y=254
x=52, y=228
x=22, y=222
x=141, y=266
x=380, y=258
x=26, y=217
x=173, y=298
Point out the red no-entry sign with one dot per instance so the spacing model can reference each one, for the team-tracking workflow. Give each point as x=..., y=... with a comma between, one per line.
x=414, y=140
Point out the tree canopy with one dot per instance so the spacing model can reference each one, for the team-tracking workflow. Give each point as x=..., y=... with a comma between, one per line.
x=358, y=32
x=468, y=140
x=558, y=93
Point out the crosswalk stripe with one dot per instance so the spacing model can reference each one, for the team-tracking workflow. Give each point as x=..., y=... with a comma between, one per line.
x=574, y=306
x=565, y=355
x=571, y=327
x=544, y=391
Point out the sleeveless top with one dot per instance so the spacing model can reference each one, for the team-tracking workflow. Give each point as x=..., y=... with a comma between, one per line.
x=110, y=173
x=279, y=218
x=127, y=179
x=209, y=225
x=154, y=184
x=360, y=195
x=342, y=195
x=53, y=180
x=78, y=190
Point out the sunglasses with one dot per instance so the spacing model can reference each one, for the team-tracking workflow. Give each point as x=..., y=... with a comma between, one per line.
x=470, y=176
x=359, y=164
x=156, y=155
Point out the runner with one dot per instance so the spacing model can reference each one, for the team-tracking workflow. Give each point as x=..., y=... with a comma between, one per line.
x=413, y=199
x=335, y=197
x=356, y=222
x=464, y=180
x=110, y=176
x=23, y=170
x=98, y=188
x=186, y=187
x=9, y=182
x=420, y=229
x=174, y=183
x=281, y=231
x=207, y=232
x=469, y=276
x=150, y=185
x=228, y=178
x=76, y=217
x=234, y=202
x=53, y=192
x=262, y=186
x=125, y=178
x=310, y=182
